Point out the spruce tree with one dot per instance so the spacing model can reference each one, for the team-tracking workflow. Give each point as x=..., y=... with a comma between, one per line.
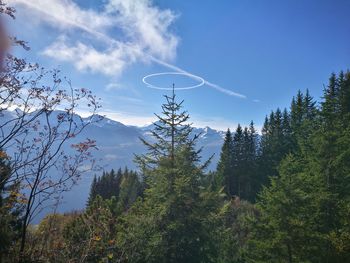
x=129, y=190
x=297, y=112
x=168, y=225
x=344, y=96
x=304, y=213
x=93, y=191
x=238, y=159
x=224, y=174
x=252, y=154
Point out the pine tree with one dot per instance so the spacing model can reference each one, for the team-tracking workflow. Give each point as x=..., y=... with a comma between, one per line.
x=304, y=212
x=288, y=139
x=309, y=107
x=224, y=174
x=297, y=112
x=125, y=186
x=170, y=219
x=130, y=189
x=286, y=229
x=93, y=191
x=106, y=186
x=238, y=159
x=252, y=158
x=344, y=96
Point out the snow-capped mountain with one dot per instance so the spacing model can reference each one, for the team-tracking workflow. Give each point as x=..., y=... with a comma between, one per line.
x=117, y=144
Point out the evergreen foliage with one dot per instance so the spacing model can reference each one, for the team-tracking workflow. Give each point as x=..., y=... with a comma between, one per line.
x=124, y=186
x=168, y=225
x=237, y=167
x=304, y=213
x=280, y=197
x=224, y=171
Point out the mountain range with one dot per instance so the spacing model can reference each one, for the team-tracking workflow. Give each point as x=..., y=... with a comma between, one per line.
x=116, y=146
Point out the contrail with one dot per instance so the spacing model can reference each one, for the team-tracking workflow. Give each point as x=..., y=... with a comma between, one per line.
x=110, y=40
x=212, y=85
x=200, y=80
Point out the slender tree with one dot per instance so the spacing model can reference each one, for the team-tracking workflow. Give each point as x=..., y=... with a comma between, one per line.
x=224, y=174
x=170, y=220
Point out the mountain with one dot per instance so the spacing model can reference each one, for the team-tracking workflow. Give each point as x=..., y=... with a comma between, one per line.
x=117, y=144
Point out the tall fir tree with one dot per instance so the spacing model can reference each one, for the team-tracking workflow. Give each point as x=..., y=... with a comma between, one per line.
x=224, y=171
x=168, y=225
x=251, y=155
x=304, y=212
x=238, y=159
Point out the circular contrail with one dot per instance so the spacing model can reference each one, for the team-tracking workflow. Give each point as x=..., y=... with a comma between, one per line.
x=200, y=80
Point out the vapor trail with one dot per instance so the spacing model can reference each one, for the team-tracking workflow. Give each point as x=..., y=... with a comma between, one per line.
x=108, y=39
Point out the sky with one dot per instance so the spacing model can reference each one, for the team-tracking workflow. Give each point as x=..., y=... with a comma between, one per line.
x=251, y=56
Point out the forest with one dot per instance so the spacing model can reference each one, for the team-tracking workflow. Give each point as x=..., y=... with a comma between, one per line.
x=281, y=194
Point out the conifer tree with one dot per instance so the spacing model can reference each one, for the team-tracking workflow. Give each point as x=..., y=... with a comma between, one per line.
x=309, y=107
x=252, y=154
x=125, y=186
x=297, y=112
x=304, y=212
x=93, y=191
x=224, y=174
x=170, y=220
x=288, y=139
x=238, y=159
x=286, y=229
x=129, y=190
x=344, y=96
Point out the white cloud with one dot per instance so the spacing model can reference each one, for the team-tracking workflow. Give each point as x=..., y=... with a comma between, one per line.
x=66, y=14
x=145, y=23
x=145, y=35
x=111, y=62
x=145, y=31
x=114, y=86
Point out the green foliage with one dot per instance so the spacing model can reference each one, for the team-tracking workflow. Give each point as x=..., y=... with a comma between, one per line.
x=297, y=174
x=124, y=186
x=90, y=236
x=106, y=186
x=233, y=230
x=286, y=228
x=224, y=171
x=170, y=220
x=236, y=170
x=304, y=213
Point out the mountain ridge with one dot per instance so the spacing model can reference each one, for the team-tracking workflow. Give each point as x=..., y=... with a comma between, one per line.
x=117, y=144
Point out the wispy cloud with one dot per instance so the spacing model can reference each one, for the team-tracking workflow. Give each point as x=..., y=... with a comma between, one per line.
x=113, y=86
x=145, y=30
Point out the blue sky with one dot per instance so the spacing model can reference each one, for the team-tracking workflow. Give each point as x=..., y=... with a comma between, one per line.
x=262, y=50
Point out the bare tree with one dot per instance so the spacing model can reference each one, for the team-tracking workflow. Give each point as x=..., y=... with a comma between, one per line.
x=38, y=118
